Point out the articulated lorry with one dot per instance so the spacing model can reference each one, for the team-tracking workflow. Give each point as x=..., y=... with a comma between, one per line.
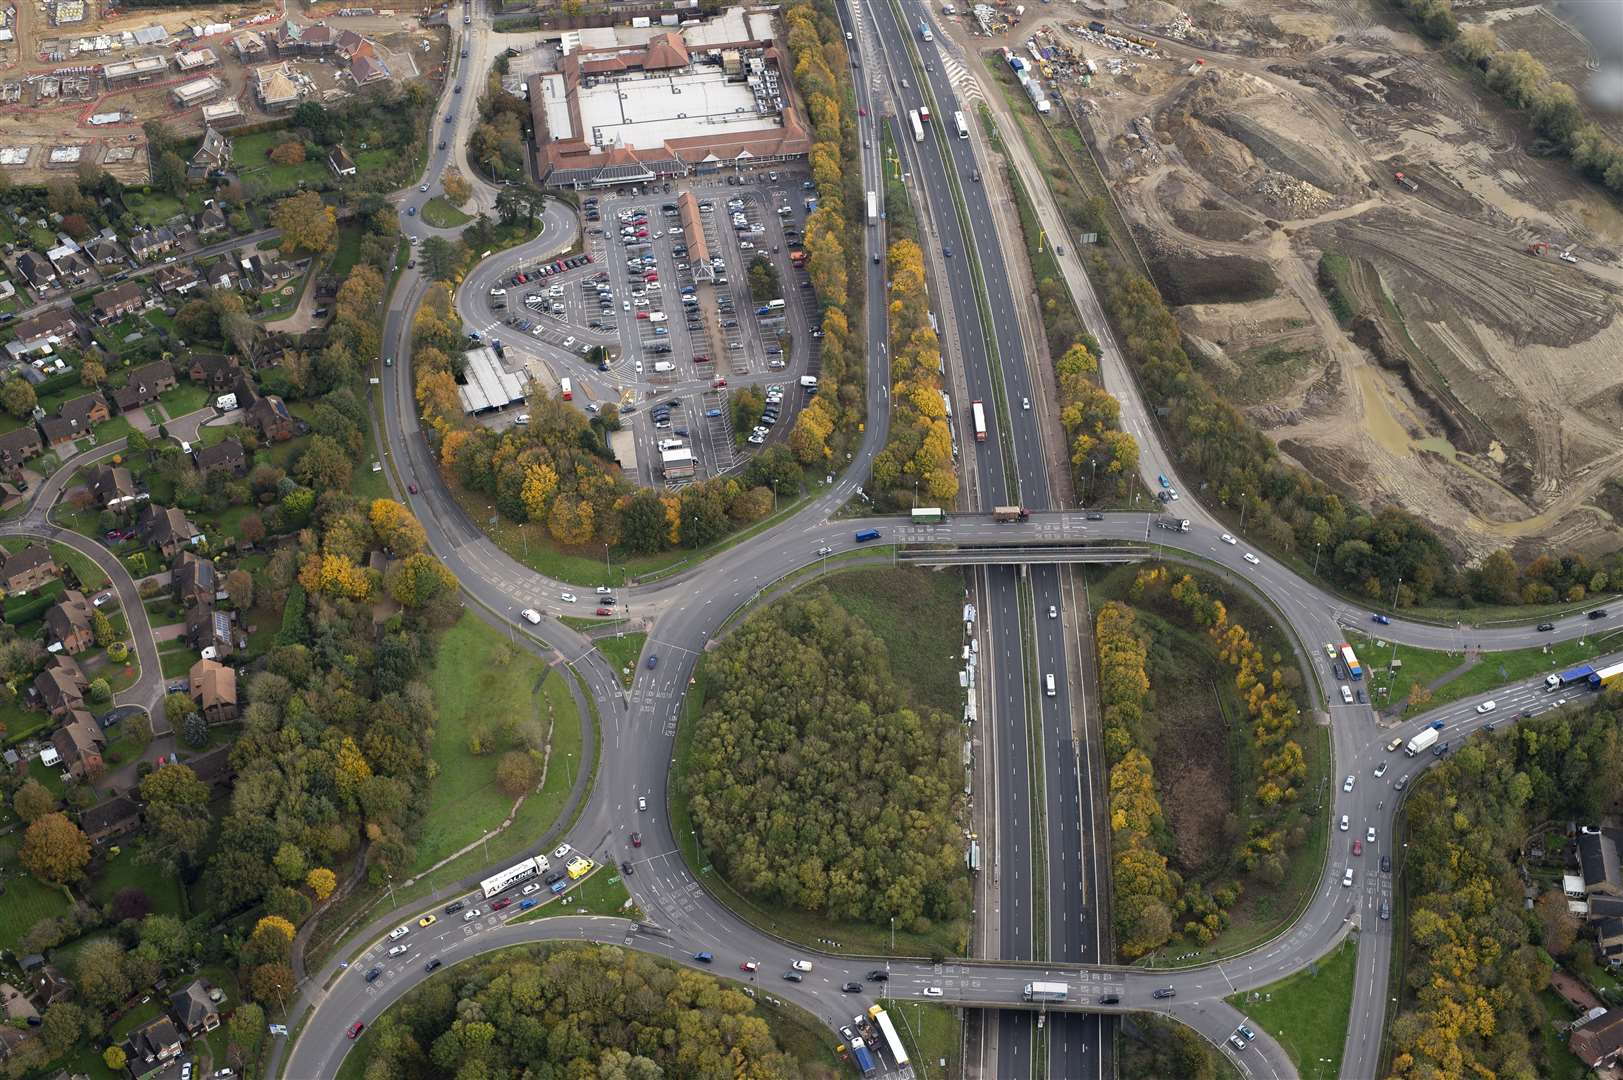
x=1046, y=991
x=1004, y=514
x=1579, y=674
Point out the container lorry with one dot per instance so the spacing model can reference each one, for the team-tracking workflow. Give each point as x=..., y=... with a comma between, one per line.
x=862, y=1059
x=1046, y=991
x=1579, y=674
x=1005, y=514
x=1421, y=741
x=873, y=207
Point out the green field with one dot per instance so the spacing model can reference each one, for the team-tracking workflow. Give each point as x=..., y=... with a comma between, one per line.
x=622, y=652
x=602, y=893
x=479, y=678
x=26, y=900
x=439, y=213
x=1308, y=1011
x=917, y=614
x=125, y=872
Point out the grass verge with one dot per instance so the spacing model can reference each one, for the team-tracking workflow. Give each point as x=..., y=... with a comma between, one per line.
x=622, y=652
x=1308, y=1011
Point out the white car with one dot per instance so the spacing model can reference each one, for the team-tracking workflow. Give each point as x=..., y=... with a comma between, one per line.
x=1380, y=770
x=531, y=616
x=568, y=597
x=1053, y=612
x=399, y=932
x=638, y=366
x=1487, y=706
x=1252, y=559
x=561, y=852
x=569, y=343
x=422, y=187
x=1347, y=878
x=801, y=965
x=1369, y=835
x=1025, y=403
x=642, y=803
x=400, y=950
x=603, y=590
x=470, y=915
x=1227, y=539
x=532, y=887
x=102, y=599
x=1344, y=823
x=932, y=991
x=1347, y=784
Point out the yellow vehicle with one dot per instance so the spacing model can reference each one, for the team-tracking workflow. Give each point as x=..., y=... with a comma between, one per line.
x=428, y=920
x=579, y=867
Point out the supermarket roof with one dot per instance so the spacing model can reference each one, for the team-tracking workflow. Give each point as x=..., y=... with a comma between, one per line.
x=489, y=386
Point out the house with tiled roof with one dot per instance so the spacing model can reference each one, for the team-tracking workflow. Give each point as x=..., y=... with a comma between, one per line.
x=339, y=161
x=61, y=686
x=144, y=385
x=209, y=632
x=214, y=767
x=115, y=817
x=1599, y=1042
x=75, y=419
x=152, y=1046
x=166, y=528
x=38, y=333
x=193, y=579
x=215, y=372
x=1599, y=866
x=176, y=279
x=213, y=154
x=113, y=486
x=194, y=1010
x=67, y=623
x=104, y=251
x=79, y=744
x=211, y=220
x=226, y=456
x=214, y=690
x=149, y=243
x=19, y=446
x=111, y=305
x=37, y=270
x=269, y=414
x=28, y=569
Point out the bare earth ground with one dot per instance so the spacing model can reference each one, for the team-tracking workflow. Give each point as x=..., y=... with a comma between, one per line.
x=1483, y=389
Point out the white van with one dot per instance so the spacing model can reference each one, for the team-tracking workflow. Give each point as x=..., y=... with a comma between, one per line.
x=809, y=382
x=1050, y=684
x=1346, y=695
x=522, y=418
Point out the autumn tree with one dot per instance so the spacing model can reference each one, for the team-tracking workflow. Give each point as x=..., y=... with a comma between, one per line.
x=239, y=588
x=517, y=772
x=99, y=973
x=17, y=397
x=101, y=627
x=307, y=223
x=54, y=849
x=114, y=1058
x=456, y=186
x=91, y=373
x=177, y=808
x=290, y=152
x=33, y=801
x=322, y=882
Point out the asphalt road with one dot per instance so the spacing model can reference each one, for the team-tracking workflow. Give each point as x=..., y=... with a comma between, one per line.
x=685, y=610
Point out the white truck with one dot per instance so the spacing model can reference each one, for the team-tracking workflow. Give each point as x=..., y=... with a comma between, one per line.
x=662, y=366
x=1421, y=742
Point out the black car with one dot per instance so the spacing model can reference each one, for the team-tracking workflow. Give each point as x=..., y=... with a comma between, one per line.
x=373, y=974
x=1386, y=864
x=1546, y=626
x=1598, y=613
x=878, y=976
x=453, y=907
x=793, y=976
x=852, y=988
x=554, y=877
x=433, y=965
x=1110, y=999
x=1165, y=992
x=625, y=868
x=1096, y=517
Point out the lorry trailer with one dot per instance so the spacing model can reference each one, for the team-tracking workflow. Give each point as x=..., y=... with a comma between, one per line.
x=1421, y=741
x=1046, y=991
x=1003, y=514
x=1579, y=674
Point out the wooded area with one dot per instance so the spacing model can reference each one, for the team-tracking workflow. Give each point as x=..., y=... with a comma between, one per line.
x=1476, y=958
x=917, y=462
x=812, y=787
x=575, y=1012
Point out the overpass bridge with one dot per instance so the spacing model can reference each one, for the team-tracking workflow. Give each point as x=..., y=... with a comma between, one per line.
x=1025, y=552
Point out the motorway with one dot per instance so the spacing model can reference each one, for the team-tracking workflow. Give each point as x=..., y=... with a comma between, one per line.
x=682, y=613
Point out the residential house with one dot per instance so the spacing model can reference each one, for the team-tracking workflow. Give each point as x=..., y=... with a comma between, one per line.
x=214, y=767
x=150, y=243
x=151, y=1045
x=28, y=569
x=249, y=46
x=339, y=161
x=1597, y=1043
x=19, y=446
x=217, y=373
x=46, y=984
x=113, y=485
x=210, y=221
x=1609, y=940
x=37, y=270
x=226, y=456
x=75, y=419
x=166, y=529
x=111, y=305
x=292, y=39
x=61, y=686
x=194, y=1010
x=209, y=632
x=10, y=495
x=79, y=743
x=117, y=816
x=193, y=579
x=1597, y=860
x=72, y=267
x=269, y=414
x=214, y=689
x=176, y=279
x=49, y=327
x=104, y=250
x=67, y=623
x=213, y=154
x=368, y=68
x=274, y=86
x=144, y=385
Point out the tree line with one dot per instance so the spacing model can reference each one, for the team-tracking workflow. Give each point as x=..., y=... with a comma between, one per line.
x=1476, y=959
x=1369, y=554
x=813, y=785
x=1526, y=86
x=833, y=236
x=1104, y=458
x=917, y=462
x=576, y=1012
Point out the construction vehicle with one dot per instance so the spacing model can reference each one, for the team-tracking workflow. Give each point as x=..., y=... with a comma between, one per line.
x=1405, y=181
x=1539, y=247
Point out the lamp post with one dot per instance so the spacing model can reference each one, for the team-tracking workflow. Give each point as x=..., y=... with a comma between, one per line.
x=1315, y=558
x=1242, y=511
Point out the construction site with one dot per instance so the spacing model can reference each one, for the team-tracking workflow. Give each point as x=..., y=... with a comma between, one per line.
x=1360, y=244
x=79, y=78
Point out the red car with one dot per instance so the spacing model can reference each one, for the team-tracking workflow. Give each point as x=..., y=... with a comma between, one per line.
x=1358, y=847
x=636, y=839
x=605, y=611
x=499, y=904
x=702, y=358
x=719, y=383
x=642, y=314
x=412, y=488
x=356, y=1028
x=748, y=965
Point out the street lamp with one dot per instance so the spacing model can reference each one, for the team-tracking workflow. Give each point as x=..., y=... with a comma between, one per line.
x=1242, y=511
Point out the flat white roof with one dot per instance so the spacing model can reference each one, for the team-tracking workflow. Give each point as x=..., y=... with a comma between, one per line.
x=681, y=456
x=554, y=99
x=649, y=112
x=489, y=386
